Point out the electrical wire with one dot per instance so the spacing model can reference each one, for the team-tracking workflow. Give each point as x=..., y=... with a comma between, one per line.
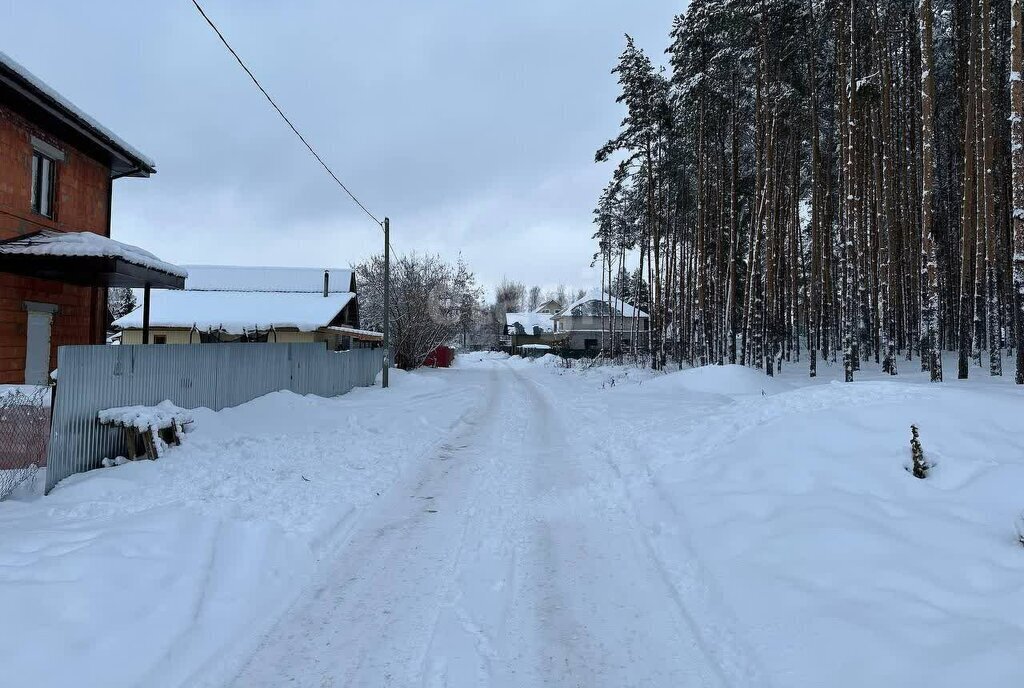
x=284, y=116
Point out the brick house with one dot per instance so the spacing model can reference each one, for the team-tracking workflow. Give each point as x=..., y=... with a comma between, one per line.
x=57, y=169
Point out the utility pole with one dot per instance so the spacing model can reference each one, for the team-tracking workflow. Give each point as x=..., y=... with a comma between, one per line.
x=387, y=301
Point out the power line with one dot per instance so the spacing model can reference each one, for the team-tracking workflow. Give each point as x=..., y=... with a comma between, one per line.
x=284, y=116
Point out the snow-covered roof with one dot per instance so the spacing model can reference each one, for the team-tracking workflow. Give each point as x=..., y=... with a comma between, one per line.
x=85, y=244
x=530, y=320
x=236, y=311
x=75, y=113
x=618, y=305
x=267, y=279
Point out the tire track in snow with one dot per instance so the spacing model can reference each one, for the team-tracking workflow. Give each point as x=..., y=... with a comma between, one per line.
x=510, y=558
x=621, y=538
x=373, y=614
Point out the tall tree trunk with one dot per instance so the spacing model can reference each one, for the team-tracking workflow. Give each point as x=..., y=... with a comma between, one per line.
x=930, y=271
x=1017, y=151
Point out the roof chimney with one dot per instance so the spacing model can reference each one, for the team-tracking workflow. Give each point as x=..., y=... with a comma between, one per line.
x=327, y=282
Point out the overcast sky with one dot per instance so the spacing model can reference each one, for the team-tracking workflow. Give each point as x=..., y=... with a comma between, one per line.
x=471, y=123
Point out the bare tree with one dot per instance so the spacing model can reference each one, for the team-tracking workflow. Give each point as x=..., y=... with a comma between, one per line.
x=533, y=300
x=432, y=303
x=510, y=296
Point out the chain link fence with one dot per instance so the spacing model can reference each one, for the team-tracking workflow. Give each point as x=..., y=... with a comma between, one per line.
x=24, y=435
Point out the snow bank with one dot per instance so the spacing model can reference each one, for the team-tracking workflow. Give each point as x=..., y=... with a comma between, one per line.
x=839, y=567
x=156, y=573
x=731, y=380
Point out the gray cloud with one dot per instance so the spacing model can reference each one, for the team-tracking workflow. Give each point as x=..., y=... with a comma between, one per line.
x=471, y=124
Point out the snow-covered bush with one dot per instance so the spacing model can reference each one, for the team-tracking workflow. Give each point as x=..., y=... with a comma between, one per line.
x=920, y=465
x=24, y=434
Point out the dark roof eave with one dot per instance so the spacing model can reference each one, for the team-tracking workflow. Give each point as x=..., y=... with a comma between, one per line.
x=123, y=163
x=89, y=271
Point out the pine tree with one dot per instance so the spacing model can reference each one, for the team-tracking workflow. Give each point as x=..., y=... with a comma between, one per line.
x=823, y=176
x=120, y=301
x=919, y=465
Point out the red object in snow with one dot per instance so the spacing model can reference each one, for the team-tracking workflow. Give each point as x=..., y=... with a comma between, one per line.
x=441, y=357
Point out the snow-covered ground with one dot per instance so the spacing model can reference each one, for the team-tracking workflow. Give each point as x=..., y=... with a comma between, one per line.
x=834, y=565
x=510, y=522
x=159, y=573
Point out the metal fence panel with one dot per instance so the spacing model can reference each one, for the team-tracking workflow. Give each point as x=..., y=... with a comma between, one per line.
x=216, y=376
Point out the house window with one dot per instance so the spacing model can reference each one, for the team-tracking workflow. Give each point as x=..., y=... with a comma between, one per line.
x=589, y=344
x=43, y=177
x=159, y=339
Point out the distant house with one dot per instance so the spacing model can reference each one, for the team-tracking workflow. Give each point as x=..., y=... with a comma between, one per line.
x=549, y=307
x=57, y=172
x=224, y=303
x=531, y=327
x=583, y=324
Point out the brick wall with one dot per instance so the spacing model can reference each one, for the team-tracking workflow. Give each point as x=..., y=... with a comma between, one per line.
x=81, y=203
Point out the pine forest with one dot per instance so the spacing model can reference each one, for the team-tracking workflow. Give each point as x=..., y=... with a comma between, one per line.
x=809, y=181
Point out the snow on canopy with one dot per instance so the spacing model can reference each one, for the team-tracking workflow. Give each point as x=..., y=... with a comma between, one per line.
x=238, y=311
x=597, y=296
x=73, y=110
x=267, y=279
x=86, y=244
x=530, y=320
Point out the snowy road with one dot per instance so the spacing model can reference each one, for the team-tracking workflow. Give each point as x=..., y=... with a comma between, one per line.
x=511, y=556
x=515, y=523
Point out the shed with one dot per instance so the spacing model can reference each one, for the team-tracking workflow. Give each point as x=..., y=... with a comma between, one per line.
x=441, y=357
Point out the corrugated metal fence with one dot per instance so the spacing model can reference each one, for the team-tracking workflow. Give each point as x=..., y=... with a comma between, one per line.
x=93, y=378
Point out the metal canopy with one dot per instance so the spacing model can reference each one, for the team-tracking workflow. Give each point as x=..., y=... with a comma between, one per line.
x=89, y=260
x=117, y=268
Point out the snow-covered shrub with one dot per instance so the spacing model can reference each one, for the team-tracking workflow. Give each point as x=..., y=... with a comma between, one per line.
x=920, y=465
x=1020, y=530
x=24, y=435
